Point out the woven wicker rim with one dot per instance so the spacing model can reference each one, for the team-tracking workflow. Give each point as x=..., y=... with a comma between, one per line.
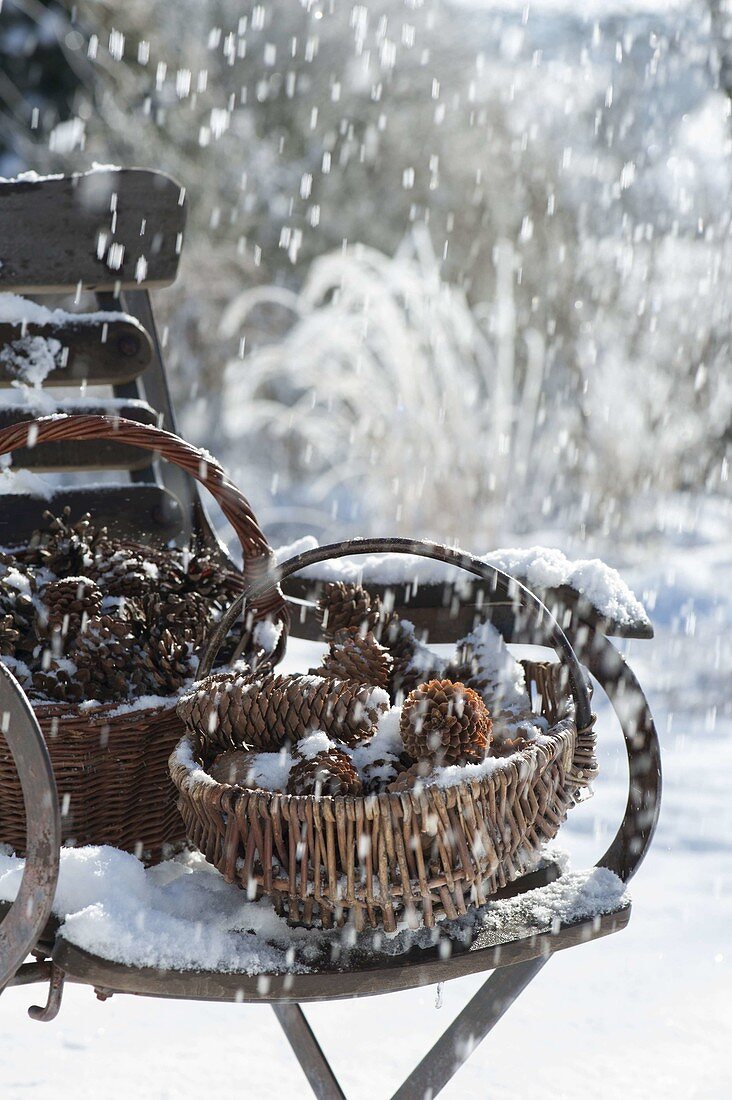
x=190, y=777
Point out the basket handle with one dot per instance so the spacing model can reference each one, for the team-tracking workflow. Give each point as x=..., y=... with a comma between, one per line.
x=502, y=582
x=258, y=569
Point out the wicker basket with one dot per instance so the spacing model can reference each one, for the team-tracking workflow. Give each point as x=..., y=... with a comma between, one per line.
x=110, y=762
x=414, y=855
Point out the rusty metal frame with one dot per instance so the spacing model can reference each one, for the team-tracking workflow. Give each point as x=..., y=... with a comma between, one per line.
x=31, y=909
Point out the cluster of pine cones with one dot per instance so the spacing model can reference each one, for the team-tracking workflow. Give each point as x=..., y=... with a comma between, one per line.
x=84, y=616
x=374, y=660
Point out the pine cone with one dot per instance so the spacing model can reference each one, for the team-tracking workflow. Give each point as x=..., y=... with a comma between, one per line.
x=186, y=616
x=234, y=709
x=445, y=722
x=205, y=575
x=379, y=774
x=66, y=608
x=57, y=682
x=162, y=664
x=410, y=777
x=355, y=656
x=122, y=571
x=346, y=606
x=9, y=636
x=64, y=548
x=19, y=607
x=326, y=773
x=103, y=655
x=507, y=746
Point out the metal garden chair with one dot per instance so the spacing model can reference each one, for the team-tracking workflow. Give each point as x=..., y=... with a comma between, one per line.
x=118, y=233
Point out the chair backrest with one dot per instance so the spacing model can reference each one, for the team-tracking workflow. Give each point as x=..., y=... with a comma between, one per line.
x=117, y=233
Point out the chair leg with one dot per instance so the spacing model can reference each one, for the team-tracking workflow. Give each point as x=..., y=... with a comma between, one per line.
x=468, y=1030
x=308, y=1052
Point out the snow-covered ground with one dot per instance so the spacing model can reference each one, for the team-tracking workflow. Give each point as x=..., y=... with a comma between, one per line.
x=645, y=1013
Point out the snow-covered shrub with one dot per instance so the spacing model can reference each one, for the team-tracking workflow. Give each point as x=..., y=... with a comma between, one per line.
x=386, y=405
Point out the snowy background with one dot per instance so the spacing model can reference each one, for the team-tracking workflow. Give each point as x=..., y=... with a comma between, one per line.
x=458, y=270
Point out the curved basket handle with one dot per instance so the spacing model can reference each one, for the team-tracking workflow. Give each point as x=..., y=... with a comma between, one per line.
x=501, y=581
x=20, y=929
x=258, y=558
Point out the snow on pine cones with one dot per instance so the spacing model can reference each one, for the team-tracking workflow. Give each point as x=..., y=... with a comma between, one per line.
x=85, y=616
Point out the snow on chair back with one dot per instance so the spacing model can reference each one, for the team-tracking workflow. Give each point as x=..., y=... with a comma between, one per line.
x=115, y=232
x=107, y=229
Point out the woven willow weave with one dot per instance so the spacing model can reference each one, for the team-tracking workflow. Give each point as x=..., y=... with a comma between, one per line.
x=418, y=854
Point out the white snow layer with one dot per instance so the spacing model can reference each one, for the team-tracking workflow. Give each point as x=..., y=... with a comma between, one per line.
x=182, y=915
x=539, y=567
x=16, y=310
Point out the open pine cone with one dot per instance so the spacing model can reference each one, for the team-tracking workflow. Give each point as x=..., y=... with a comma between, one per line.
x=103, y=655
x=407, y=779
x=356, y=656
x=63, y=547
x=347, y=607
x=9, y=636
x=445, y=722
x=58, y=681
x=326, y=773
x=67, y=606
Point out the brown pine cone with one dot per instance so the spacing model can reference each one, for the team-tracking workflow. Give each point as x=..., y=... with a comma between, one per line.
x=19, y=607
x=67, y=606
x=507, y=746
x=356, y=656
x=209, y=578
x=185, y=615
x=234, y=709
x=445, y=722
x=161, y=664
x=346, y=607
x=410, y=777
x=326, y=773
x=57, y=682
x=379, y=774
x=62, y=547
x=122, y=571
x=103, y=655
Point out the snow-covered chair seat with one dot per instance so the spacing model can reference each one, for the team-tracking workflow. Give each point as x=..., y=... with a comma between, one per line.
x=180, y=930
x=439, y=601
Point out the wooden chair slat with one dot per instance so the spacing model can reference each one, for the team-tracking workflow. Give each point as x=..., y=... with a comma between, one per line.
x=99, y=352
x=102, y=454
x=138, y=511
x=103, y=229
x=437, y=611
